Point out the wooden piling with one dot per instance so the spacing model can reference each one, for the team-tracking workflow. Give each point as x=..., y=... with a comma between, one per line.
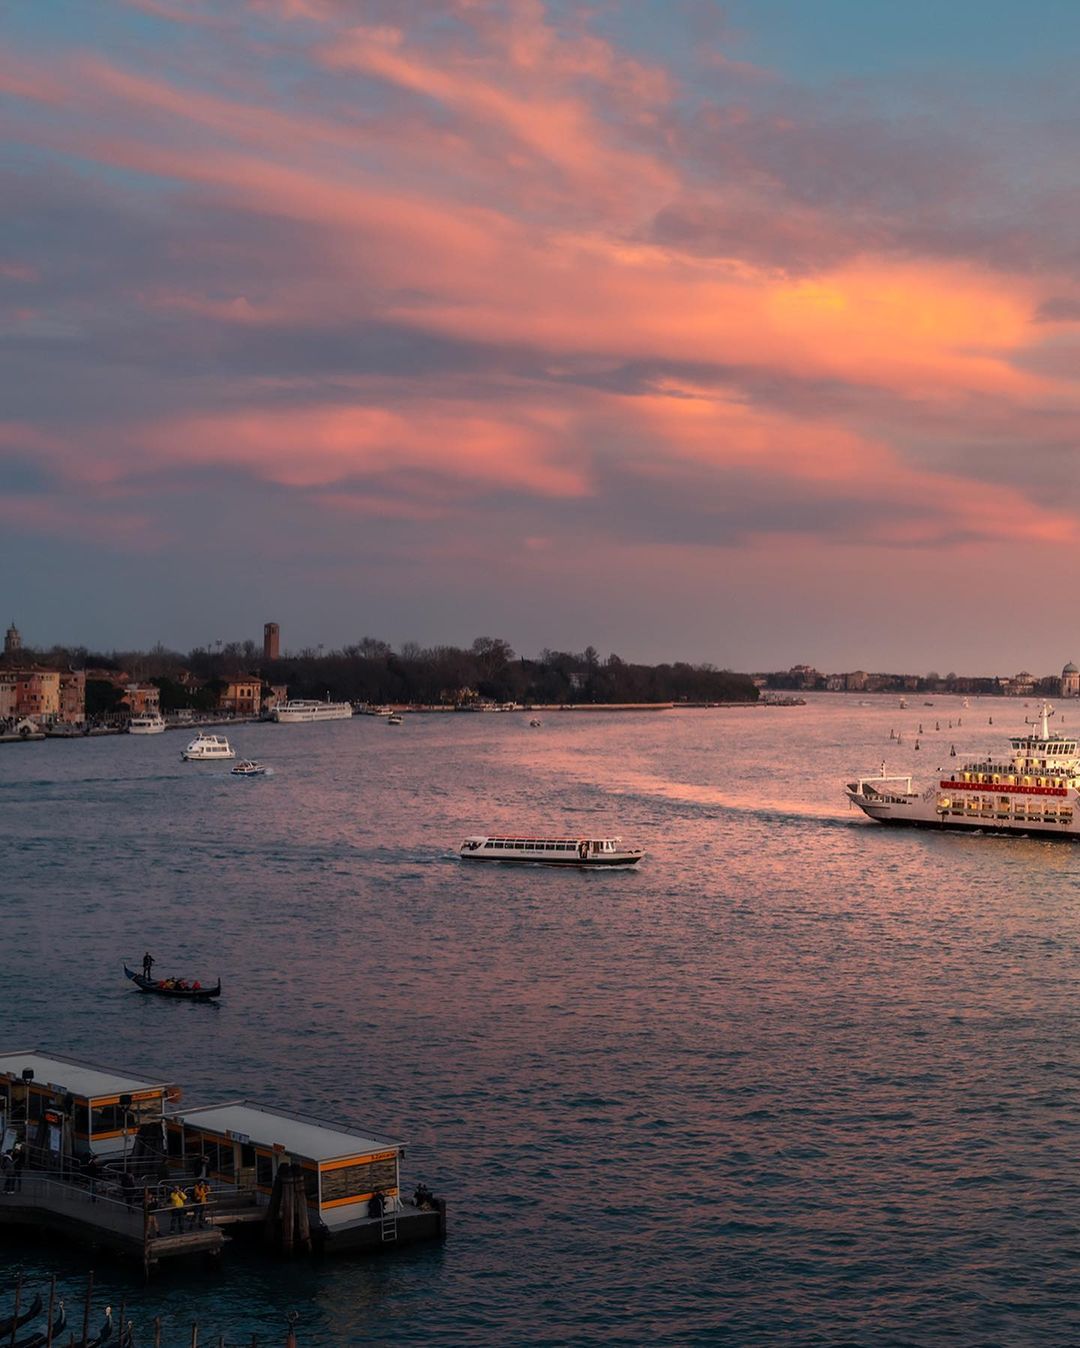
x=18, y=1298
x=52, y=1304
x=86, y=1306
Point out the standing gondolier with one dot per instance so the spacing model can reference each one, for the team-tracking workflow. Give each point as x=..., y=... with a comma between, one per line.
x=148, y=963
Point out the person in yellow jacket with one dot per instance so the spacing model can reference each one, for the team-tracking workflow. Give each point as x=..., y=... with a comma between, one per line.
x=177, y=1204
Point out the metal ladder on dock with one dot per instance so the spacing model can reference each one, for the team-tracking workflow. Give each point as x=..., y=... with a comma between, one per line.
x=389, y=1226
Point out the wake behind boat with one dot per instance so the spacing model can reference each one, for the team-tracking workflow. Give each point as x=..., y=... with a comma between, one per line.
x=551, y=851
x=174, y=987
x=1035, y=790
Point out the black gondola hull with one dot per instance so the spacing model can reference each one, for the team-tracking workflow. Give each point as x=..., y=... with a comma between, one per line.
x=181, y=994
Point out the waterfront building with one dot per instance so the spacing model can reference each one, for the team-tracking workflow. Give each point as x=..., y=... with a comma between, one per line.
x=72, y=697
x=142, y=698
x=38, y=694
x=242, y=695
x=9, y=694
x=271, y=641
x=1070, y=681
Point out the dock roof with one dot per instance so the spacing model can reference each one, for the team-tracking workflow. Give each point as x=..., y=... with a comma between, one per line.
x=80, y=1079
x=308, y=1138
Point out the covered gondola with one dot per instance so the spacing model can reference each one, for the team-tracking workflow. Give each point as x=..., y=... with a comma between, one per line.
x=184, y=994
x=14, y=1322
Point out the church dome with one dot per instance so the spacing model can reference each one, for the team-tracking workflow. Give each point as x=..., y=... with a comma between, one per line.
x=1070, y=668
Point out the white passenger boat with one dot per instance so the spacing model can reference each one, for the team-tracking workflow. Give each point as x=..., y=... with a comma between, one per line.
x=247, y=767
x=302, y=709
x=205, y=748
x=1033, y=790
x=147, y=723
x=551, y=851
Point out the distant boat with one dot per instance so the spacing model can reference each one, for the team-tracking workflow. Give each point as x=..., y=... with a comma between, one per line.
x=303, y=709
x=148, y=723
x=551, y=851
x=158, y=986
x=393, y=719
x=536, y=721
x=247, y=767
x=204, y=748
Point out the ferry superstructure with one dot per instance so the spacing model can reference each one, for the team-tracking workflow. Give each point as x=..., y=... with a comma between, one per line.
x=301, y=709
x=551, y=851
x=208, y=748
x=1034, y=791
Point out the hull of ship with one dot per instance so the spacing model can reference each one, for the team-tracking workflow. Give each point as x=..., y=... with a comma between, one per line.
x=146, y=730
x=920, y=815
x=299, y=717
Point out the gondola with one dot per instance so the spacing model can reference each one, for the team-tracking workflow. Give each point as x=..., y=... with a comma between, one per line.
x=185, y=994
x=43, y=1336
x=17, y=1321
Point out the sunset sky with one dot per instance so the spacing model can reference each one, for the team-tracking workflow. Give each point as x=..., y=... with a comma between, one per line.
x=743, y=332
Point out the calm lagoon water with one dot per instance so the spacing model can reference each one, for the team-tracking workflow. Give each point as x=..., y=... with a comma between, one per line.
x=798, y=1079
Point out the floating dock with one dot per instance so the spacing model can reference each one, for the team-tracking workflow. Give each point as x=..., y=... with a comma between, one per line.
x=112, y=1160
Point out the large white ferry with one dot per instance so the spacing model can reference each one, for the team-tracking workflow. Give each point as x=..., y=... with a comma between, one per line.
x=1035, y=790
x=147, y=723
x=300, y=709
x=551, y=851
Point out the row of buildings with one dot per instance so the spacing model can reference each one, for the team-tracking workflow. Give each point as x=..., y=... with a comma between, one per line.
x=1024, y=684
x=30, y=692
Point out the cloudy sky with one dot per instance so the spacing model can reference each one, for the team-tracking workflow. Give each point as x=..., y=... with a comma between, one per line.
x=742, y=331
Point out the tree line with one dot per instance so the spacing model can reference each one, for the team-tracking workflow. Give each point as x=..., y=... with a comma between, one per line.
x=372, y=671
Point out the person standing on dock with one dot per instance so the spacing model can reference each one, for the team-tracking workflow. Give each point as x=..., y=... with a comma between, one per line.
x=177, y=1204
x=148, y=963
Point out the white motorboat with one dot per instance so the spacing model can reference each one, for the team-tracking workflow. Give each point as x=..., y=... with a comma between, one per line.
x=147, y=723
x=394, y=719
x=247, y=767
x=551, y=851
x=304, y=709
x=1033, y=790
x=207, y=748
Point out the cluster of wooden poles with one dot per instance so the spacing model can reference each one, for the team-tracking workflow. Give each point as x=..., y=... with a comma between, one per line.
x=124, y=1338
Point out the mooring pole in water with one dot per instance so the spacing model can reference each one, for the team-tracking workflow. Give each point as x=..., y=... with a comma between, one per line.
x=18, y=1298
x=157, y=1331
x=52, y=1303
x=195, y=1335
x=86, y=1306
x=290, y=1338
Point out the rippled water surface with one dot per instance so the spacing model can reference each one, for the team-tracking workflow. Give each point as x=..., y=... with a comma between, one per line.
x=797, y=1079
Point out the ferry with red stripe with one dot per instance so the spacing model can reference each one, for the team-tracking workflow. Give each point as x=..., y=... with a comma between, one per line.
x=1034, y=791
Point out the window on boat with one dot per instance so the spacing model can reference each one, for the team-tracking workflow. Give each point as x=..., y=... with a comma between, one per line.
x=264, y=1169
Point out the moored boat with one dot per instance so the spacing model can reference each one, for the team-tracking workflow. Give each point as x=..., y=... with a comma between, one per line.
x=304, y=709
x=206, y=748
x=1035, y=790
x=168, y=987
x=147, y=723
x=550, y=851
x=14, y=1322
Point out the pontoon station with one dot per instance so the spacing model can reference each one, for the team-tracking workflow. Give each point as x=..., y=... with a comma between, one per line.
x=351, y=1183
x=113, y=1159
x=551, y=851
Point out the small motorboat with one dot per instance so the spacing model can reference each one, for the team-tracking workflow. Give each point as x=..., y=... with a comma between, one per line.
x=247, y=767
x=536, y=722
x=167, y=987
x=393, y=719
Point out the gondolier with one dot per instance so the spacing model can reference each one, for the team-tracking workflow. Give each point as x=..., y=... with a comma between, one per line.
x=148, y=963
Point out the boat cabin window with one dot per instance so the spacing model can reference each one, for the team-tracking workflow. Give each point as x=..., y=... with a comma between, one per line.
x=264, y=1169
